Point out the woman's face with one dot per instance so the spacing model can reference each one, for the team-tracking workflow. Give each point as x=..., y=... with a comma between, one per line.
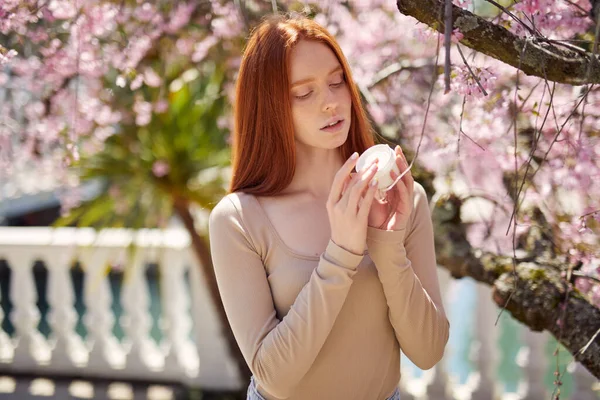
x=319, y=95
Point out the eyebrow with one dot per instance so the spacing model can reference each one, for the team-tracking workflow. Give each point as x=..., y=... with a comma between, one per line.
x=302, y=81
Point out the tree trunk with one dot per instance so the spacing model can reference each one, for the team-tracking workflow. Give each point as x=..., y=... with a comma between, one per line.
x=202, y=252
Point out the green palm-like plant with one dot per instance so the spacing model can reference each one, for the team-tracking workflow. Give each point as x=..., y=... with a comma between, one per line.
x=186, y=138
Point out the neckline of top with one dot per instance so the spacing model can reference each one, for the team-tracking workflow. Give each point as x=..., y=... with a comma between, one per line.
x=276, y=234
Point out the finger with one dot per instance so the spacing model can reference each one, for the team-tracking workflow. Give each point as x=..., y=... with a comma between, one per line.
x=401, y=160
x=339, y=179
x=365, y=207
x=359, y=185
x=347, y=181
x=369, y=165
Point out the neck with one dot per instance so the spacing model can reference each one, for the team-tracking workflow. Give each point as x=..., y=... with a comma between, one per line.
x=315, y=171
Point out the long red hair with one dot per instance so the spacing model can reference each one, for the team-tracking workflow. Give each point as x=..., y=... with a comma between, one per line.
x=263, y=148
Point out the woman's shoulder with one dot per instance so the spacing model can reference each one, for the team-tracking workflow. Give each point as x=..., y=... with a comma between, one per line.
x=419, y=194
x=232, y=206
x=420, y=205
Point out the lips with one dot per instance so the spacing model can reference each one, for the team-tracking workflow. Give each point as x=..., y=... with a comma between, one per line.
x=332, y=122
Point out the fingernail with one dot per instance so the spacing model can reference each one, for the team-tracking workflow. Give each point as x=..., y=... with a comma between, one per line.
x=354, y=156
x=373, y=182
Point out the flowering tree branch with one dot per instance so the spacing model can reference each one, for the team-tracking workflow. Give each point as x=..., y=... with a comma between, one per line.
x=543, y=300
x=563, y=64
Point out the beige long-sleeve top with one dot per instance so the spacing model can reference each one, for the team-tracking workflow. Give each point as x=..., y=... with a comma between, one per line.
x=328, y=327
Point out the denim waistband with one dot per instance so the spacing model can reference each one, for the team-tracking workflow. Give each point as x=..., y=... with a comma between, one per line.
x=254, y=395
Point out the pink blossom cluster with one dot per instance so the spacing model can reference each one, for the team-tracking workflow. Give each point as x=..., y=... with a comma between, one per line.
x=553, y=19
x=88, y=71
x=470, y=82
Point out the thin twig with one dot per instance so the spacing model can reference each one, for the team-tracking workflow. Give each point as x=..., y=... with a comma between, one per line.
x=534, y=145
x=505, y=10
x=584, y=276
x=447, y=41
x=556, y=137
x=471, y=71
x=590, y=213
x=485, y=197
x=576, y=49
x=395, y=68
x=584, y=348
x=514, y=258
x=577, y=6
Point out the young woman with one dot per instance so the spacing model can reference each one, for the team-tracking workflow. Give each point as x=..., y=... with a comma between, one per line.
x=323, y=285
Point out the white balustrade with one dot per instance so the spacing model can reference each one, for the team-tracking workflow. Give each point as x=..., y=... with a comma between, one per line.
x=177, y=314
x=106, y=352
x=31, y=349
x=6, y=346
x=192, y=349
x=68, y=347
x=484, y=350
x=101, y=354
x=142, y=352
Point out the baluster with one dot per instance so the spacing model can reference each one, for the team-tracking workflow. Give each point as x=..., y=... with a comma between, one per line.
x=509, y=368
x=486, y=332
x=106, y=353
x=437, y=389
x=32, y=348
x=217, y=367
x=182, y=354
x=143, y=354
x=461, y=303
x=6, y=345
x=69, y=349
x=533, y=359
x=584, y=381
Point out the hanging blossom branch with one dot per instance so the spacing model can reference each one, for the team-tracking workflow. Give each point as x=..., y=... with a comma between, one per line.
x=563, y=64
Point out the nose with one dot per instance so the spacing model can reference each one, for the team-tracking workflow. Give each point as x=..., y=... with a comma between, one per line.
x=330, y=103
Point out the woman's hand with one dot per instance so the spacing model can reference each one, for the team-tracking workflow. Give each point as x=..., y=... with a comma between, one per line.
x=393, y=213
x=348, y=206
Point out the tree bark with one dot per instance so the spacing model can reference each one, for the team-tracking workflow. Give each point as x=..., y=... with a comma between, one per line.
x=539, y=56
x=202, y=252
x=542, y=298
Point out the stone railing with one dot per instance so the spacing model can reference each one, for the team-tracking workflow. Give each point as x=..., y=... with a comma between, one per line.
x=181, y=341
x=190, y=350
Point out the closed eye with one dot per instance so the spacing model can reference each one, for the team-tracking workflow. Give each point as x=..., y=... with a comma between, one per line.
x=336, y=85
x=304, y=96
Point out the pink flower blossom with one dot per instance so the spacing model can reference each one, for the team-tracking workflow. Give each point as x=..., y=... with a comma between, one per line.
x=161, y=106
x=465, y=83
x=143, y=111
x=160, y=168
x=151, y=78
x=62, y=9
x=146, y=12
x=5, y=58
x=179, y=17
x=201, y=48
x=456, y=36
